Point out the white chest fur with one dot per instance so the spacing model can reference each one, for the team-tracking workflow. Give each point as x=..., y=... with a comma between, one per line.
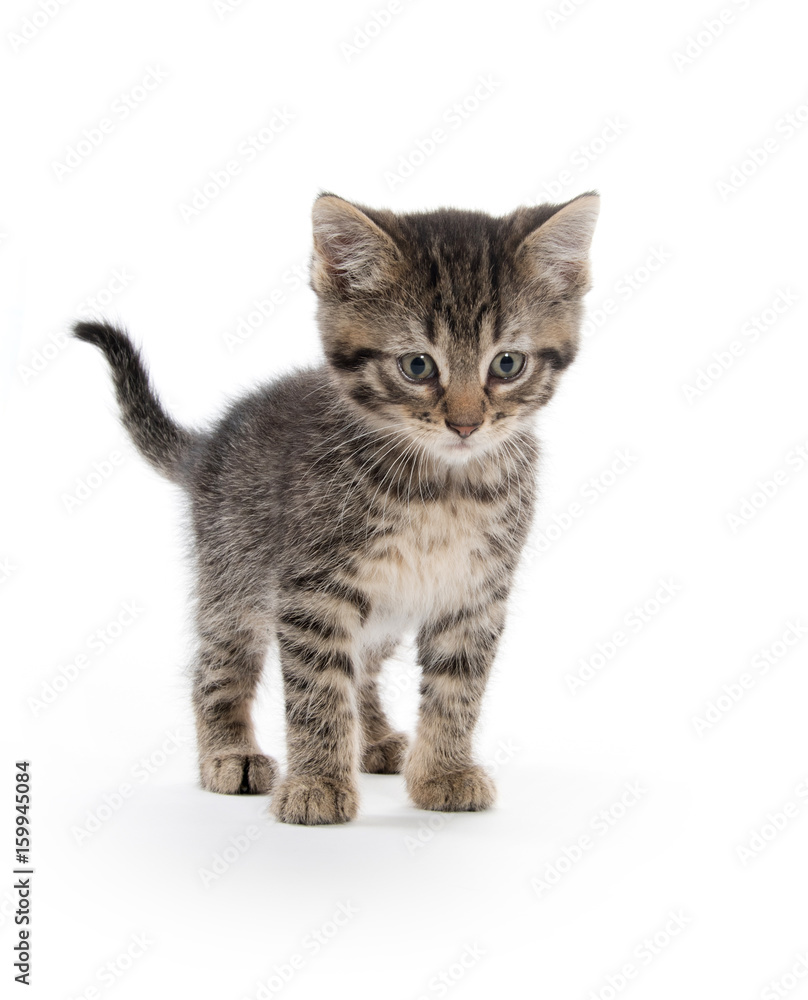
x=432, y=563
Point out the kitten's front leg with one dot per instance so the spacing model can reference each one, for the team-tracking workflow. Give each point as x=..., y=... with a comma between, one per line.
x=455, y=653
x=322, y=722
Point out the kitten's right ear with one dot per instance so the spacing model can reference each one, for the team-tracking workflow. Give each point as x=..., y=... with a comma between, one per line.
x=557, y=251
x=351, y=253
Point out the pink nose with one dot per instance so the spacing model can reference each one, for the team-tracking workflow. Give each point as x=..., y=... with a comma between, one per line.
x=463, y=430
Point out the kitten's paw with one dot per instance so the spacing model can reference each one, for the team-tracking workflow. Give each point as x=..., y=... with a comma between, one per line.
x=386, y=756
x=239, y=773
x=312, y=800
x=459, y=791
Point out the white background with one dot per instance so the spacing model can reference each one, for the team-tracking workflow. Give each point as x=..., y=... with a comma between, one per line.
x=641, y=102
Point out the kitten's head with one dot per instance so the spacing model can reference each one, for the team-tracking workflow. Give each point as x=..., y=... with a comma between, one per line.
x=450, y=326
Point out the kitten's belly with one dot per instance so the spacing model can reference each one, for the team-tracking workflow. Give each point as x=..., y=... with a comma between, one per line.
x=434, y=564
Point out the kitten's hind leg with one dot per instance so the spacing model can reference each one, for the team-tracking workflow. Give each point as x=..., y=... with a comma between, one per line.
x=228, y=666
x=384, y=749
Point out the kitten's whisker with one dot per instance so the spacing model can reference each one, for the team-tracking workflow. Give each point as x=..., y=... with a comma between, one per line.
x=391, y=475
x=410, y=452
x=358, y=478
x=370, y=432
x=519, y=462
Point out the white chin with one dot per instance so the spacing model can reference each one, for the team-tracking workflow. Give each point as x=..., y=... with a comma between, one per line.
x=458, y=452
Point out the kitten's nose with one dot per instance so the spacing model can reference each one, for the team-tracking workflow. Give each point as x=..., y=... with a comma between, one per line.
x=464, y=430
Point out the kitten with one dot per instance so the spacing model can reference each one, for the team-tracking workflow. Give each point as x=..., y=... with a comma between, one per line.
x=388, y=489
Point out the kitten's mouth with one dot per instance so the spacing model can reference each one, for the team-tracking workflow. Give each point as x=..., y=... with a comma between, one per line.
x=459, y=448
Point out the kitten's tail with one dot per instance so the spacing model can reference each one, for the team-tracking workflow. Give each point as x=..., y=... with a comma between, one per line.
x=163, y=442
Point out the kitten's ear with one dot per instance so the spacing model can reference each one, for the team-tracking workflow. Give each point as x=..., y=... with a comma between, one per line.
x=557, y=251
x=351, y=253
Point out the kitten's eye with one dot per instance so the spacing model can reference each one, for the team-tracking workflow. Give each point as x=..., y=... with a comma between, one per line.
x=507, y=364
x=418, y=366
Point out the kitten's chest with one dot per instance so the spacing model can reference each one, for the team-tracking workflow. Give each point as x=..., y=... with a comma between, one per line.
x=434, y=560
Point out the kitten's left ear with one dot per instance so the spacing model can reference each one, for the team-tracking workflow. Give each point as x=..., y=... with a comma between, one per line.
x=557, y=251
x=351, y=252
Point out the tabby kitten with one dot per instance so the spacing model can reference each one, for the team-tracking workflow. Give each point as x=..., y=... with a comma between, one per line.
x=388, y=489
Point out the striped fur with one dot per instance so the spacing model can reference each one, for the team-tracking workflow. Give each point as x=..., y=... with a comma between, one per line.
x=344, y=506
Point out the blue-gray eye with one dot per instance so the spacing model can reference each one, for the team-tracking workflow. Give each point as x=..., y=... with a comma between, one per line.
x=507, y=364
x=418, y=366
